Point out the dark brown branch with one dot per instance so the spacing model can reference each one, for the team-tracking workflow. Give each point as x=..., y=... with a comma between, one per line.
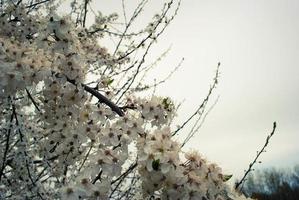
x=133, y=166
x=98, y=177
x=85, y=158
x=122, y=177
x=21, y=139
x=17, y=122
x=257, y=156
x=105, y=30
x=104, y=100
x=33, y=101
x=20, y=1
x=41, y=161
x=99, y=96
x=131, y=107
x=37, y=3
x=85, y=12
x=31, y=179
x=128, y=191
x=6, y=146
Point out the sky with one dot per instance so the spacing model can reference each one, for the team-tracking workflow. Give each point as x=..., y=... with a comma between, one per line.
x=257, y=44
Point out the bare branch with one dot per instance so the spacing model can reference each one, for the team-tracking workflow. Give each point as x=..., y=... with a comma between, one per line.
x=149, y=36
x=122, y=177
x=85, y=12
x=36, y=4
x=135, y=14
x=131, y=80
x=6, y=146
x=196, y=127
x=203, y=104
x=257, y=156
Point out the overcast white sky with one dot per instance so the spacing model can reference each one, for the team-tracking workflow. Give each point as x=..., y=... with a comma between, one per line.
x=257, y=43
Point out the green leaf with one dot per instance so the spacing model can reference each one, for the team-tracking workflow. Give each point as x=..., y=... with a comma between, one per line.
x=110, y=81
x=226, y=177
x=156, y=164
x=166, y=102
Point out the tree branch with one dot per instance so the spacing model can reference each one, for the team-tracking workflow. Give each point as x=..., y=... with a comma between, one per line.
x=85, y=12
x=99, y=96
x=203, y=104
x=31, y=98
x=257, y=156
x=6, y=146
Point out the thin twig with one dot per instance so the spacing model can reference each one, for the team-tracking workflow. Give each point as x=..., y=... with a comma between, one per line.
x=195, y=128
x=203, y=104
x=150, y=34
x=132, y=79
x=124, y=11
x=85, y=158
x=135, y=14
x=25, y=153
x=161, y=81
x=257, y=156
x=133, y=166
x=6, y=146
x=37, y=3
x=122, y=177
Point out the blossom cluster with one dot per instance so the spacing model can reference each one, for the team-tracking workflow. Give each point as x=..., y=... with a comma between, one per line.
x=163, y=171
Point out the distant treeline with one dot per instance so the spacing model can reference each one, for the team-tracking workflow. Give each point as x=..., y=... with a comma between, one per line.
x=273, y=184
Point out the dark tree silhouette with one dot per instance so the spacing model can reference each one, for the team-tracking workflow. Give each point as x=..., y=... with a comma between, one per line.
x=273, y=184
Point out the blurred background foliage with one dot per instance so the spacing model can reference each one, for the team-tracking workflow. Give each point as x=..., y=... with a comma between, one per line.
x=273, y=184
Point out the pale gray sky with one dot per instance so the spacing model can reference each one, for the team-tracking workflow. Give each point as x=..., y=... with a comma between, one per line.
x=257, y=43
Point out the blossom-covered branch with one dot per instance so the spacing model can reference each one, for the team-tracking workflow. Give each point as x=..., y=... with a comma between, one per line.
x=100, y=97
x=78, y=143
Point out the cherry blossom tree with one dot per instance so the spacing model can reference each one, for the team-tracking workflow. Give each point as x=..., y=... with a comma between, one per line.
x=75, y=123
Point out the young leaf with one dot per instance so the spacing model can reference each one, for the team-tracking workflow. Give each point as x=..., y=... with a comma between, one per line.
x=226, y=177
x=155, y=164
